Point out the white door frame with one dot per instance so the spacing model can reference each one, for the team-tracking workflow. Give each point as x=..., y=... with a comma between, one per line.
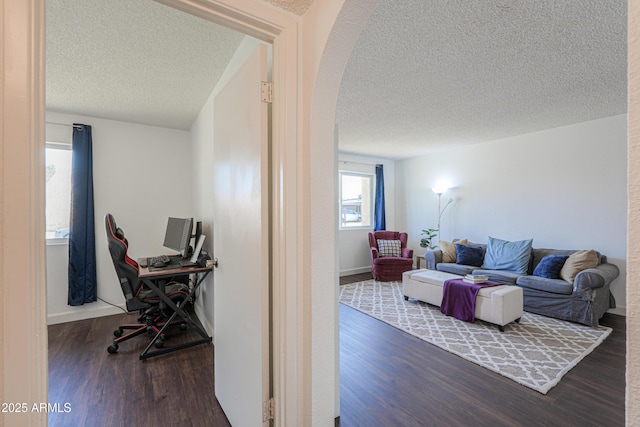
x=281, y=30
x=23, y=295
x=22, y=257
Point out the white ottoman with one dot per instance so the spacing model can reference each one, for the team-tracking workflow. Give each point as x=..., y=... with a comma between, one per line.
x=500, y=305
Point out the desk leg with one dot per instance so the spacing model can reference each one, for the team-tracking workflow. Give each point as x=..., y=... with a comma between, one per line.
x=177, y=311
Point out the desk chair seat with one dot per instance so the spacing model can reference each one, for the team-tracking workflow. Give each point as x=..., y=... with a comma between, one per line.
x=138, y=297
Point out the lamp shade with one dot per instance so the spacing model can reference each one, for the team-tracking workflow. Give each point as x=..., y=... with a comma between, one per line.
x=440, y=188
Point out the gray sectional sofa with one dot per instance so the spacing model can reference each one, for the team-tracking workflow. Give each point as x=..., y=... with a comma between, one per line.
x=585, y=301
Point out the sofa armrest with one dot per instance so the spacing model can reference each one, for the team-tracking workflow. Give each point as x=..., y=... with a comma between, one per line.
x=374, y=253
x=407, y=253
x=433, y=258
x=597, y=277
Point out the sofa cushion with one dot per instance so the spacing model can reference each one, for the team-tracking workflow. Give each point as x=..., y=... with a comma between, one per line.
x=556, y=286
x=508, y=256
x=550, y=266
x=449, y=250
x=504, y=277
x=389, y=248
x=578, y=261
x=469, y=255
x=452, y=267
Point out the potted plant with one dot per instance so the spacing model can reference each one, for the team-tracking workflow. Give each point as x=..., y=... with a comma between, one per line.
x=427, y=241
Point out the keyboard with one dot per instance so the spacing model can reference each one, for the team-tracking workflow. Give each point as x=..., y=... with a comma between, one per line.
x=161, y=259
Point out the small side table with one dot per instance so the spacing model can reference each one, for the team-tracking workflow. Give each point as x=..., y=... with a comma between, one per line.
x=418, y=259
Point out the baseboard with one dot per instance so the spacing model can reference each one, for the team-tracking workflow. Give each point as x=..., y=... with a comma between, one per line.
x=355, y=271
x=204, y=321
x=86, y=311
x=620, y=311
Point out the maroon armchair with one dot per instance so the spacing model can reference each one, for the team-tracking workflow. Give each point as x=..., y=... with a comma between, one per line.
x=390, y=256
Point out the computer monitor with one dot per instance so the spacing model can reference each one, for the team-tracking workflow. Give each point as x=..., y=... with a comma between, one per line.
x=178, y=235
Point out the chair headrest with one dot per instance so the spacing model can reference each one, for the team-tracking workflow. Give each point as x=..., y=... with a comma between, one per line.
x=110, y=222
x=119, y=233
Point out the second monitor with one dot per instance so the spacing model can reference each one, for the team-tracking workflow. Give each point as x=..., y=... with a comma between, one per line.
x=178, y=235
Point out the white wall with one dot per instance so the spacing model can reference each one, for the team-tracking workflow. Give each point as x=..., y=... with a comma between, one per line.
x=353, y=244
x=126, y=158
x=566, y=188
x=202, y=154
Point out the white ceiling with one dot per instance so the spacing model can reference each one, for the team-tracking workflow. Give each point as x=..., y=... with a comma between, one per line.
x=136, y=60
x=132, y=60
x=423, y=76
x=429, y=75
x=299, y=7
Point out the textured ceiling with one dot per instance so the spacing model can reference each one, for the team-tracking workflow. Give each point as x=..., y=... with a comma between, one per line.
x=299, y=7
x=423, y=76
x=134, y=60
x=428, y=75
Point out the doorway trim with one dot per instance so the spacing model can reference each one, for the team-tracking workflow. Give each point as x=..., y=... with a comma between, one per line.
x=271, y=25
x=22, y=256
x=22, y=230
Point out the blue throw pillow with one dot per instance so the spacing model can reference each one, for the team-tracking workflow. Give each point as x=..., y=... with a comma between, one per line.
x=508, y=256
x=469, y=255
x=550, y=266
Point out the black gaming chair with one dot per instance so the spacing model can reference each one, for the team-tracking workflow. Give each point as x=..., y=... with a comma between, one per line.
x=138, y=297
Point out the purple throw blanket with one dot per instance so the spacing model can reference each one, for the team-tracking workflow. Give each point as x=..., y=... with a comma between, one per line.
x=459, y=298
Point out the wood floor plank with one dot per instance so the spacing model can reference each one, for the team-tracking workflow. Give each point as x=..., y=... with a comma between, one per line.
x=119, y=389
x=390, y=378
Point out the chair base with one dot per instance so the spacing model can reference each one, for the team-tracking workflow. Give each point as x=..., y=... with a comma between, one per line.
x=150, y=326
x=391, y=269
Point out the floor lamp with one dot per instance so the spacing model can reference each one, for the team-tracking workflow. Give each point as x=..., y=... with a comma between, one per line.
x=440, y=190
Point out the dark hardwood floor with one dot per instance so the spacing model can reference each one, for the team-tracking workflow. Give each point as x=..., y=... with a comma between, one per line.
x=390, y=378
x=119, y=389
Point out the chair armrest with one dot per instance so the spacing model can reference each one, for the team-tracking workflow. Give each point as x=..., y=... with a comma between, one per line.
x=597, y=277
x=433, y=258
x=374, y=253
x=407, y=253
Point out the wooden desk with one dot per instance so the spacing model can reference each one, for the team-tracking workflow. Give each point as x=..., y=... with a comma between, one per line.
x=151, y=279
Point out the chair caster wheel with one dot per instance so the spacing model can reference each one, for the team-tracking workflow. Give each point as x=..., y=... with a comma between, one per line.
x=118, y=333
x=159, y=343
x=183, y=326
x=113, y=348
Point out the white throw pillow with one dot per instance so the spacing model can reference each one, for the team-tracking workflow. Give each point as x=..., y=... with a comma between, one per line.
x=389, y=248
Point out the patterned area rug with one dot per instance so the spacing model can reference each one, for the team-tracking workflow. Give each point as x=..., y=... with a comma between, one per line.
x=537, y=352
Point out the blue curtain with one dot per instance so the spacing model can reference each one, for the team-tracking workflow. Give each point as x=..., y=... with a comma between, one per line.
x=82, y=248
x=379, y=221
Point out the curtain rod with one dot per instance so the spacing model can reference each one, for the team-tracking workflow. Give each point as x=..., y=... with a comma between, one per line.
x=358, y=163
x=65, y=124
